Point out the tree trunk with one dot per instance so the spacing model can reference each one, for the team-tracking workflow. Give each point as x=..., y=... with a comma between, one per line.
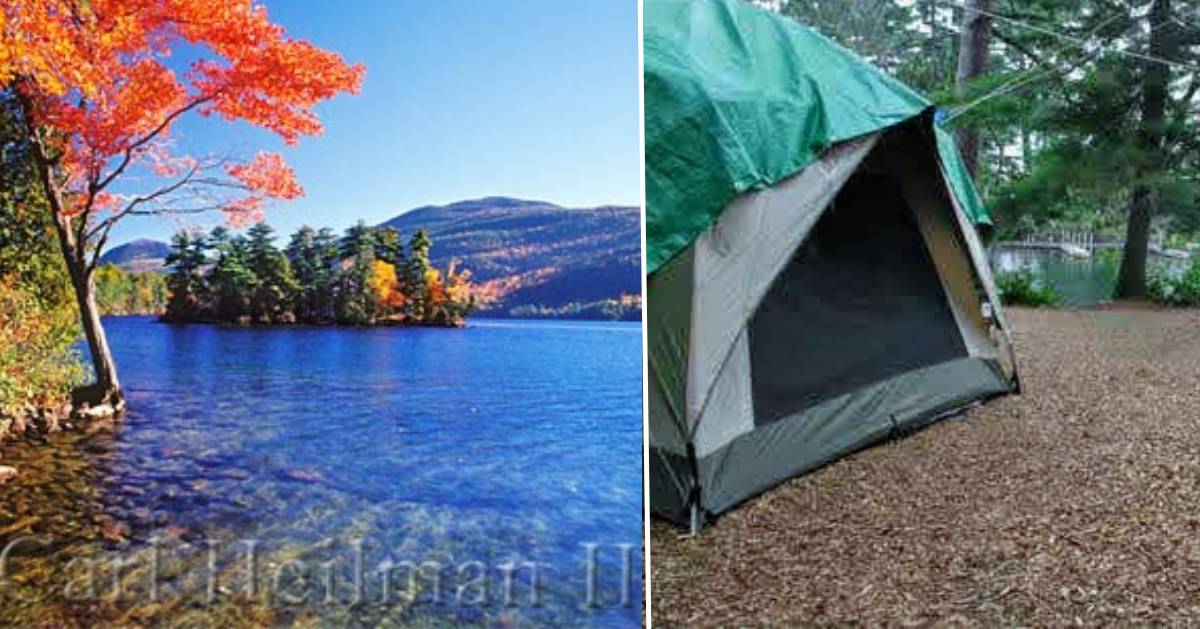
x=107, y=389
x=106, y=392
x=972, y=62
x=104, y=397
x=1131, y=283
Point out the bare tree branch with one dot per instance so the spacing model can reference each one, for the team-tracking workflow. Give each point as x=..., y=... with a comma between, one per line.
x=96, y=251
x=132, y=148
x=129, y=208
x=178, y=210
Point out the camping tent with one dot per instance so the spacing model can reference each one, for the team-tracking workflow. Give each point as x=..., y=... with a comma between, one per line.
x=815, y=282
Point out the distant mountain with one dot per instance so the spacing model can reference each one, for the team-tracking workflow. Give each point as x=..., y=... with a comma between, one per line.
x=528, y=258
x=138, y=255
x=533, y=258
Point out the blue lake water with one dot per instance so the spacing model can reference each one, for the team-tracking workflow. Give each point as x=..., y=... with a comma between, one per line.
x=468, y=449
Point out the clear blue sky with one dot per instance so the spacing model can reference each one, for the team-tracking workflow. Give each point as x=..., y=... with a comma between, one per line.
x=462, y=99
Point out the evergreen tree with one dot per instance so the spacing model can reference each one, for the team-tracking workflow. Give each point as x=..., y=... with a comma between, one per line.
x=231, y=281
x=313, y=256
x=325, y=251
x=417, y=275
x=187, y=259
x=358, y=236
x=389, y=247
x=357, y=302
x=276, y=286
x=305, y=266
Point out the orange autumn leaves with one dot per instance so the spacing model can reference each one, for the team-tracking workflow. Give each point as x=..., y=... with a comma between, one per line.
x=269, y=177
x=386, y=286
x=457, y=287
x=432, y=291
x=94, y=74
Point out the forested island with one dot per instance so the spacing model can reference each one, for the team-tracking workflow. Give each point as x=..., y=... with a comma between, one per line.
x=368, y=276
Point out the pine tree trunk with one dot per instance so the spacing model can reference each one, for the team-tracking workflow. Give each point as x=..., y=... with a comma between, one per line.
x=1131, y=283
x=972, y=62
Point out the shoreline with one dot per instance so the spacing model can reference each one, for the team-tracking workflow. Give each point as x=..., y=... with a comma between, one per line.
x=35, y=425
x=486, y=316
x=304, y=324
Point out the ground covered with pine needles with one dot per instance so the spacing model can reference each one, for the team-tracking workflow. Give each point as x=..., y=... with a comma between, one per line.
x=1077, y=502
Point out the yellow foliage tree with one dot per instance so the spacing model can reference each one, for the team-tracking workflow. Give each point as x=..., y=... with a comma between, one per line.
x=434, y=287
x=458, y=285
x=385, y=283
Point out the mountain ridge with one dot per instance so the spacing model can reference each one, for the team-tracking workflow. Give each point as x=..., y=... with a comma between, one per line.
x=527, y=257
x=535, y=254
x=142, y=254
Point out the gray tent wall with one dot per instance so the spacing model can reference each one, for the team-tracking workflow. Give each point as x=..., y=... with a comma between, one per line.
x=745, y=300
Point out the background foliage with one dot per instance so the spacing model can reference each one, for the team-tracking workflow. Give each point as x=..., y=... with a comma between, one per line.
x=1023, y=288
x=121, y=292
x=1058, y=110
x=38, y=366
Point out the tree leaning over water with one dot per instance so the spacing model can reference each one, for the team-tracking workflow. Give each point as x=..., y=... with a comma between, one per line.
x=97, y=101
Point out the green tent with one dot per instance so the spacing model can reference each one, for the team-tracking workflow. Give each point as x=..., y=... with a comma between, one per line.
x=815, y=282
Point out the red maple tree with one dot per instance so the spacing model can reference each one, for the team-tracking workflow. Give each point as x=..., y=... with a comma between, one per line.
x=98, y=100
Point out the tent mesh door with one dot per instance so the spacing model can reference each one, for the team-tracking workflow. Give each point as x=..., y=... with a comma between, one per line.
x=860, y=302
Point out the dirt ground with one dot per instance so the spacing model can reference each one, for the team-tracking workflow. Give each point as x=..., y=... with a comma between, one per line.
x=1075, y=503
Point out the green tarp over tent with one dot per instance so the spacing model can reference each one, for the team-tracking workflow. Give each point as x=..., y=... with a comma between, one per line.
x=739, y=98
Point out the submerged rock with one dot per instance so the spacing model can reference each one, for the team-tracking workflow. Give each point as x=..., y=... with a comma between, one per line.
x=7, y=472
x=305, y=476
x=100, y=414
x=111, y=529
x=236, y=473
